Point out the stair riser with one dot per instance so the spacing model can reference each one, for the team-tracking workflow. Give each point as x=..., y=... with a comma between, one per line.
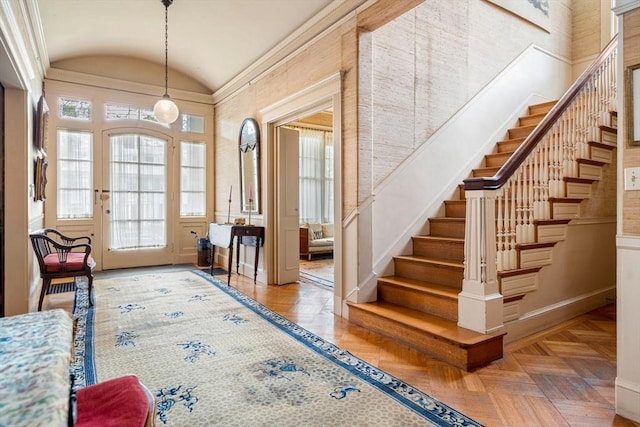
x=447, y=250
x=522, y=132
x=541, y=108
x=535, y=257
x=608, y=137
x=428, y=272
x=601, y=154
x=530, y=120
x=433, y=346
x=455, y=209
x=425, y=302
x=576, y=190
x=509, y=146
x=589, y=171
x=461, y=193
x=497, y=160
x=565, y=210
x=446, y=229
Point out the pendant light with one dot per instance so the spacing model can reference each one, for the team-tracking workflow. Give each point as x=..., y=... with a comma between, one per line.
x=165, y=110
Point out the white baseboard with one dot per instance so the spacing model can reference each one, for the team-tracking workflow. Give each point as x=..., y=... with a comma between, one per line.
x=541, y=319
x=628, y=400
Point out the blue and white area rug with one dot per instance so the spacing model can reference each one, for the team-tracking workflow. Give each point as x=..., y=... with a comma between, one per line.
x=214, y=356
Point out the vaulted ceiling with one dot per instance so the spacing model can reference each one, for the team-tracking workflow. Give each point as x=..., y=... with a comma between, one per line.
x=212, y=41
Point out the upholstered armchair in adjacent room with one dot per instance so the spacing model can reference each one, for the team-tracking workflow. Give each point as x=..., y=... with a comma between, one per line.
x=61, y=256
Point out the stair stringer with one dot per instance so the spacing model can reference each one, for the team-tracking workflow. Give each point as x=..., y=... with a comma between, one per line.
x=516, y=284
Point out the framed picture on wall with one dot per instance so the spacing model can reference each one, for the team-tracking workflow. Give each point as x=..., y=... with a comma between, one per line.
x=535, y=12
x=40, y=123
x=40, y=178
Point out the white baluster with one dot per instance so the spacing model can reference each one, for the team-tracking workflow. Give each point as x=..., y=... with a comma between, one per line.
x=500, y=251
x=513, y=256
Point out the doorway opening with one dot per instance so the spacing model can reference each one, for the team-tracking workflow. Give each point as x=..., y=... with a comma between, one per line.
x=316, y=201
x=282, y=250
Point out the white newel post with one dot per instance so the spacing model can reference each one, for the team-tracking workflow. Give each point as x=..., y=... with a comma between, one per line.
x=480, y=305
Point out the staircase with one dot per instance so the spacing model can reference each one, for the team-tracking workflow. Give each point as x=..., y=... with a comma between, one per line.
x=418, y=305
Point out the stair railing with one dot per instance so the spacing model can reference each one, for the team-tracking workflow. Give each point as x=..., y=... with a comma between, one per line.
x=502, y=209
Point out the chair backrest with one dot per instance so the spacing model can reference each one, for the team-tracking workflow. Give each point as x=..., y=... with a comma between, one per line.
x=41, y=246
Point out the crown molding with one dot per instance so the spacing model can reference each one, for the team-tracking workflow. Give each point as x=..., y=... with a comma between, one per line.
x=624, y=6
x=101, y=82
x=18, y=40
x=329, y=18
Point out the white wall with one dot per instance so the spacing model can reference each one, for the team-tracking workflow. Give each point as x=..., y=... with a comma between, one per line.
x=430, y=62
x=628, y=238
x=21, y=73
x=433, y=172
x=628, y=319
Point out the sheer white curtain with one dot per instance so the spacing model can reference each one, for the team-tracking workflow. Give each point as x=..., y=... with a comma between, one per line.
x=138, y=192
x=192, y=178
x=75, y=174
x=316, y=175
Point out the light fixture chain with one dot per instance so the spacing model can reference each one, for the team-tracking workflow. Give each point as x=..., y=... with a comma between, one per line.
x=166, y=48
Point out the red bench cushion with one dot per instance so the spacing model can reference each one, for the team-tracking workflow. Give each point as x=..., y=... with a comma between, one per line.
x=75, y=262
x=117, y=402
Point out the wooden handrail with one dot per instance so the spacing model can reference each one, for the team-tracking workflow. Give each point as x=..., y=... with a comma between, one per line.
x=528, y=145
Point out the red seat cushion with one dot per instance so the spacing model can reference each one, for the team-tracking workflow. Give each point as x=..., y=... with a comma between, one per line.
x=117, y=402
x=75, y=262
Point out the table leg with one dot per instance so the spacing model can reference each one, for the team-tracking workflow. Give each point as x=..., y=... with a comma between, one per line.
x=212, y=253
x=230, y=261
x=238, y=243
x=255, y=261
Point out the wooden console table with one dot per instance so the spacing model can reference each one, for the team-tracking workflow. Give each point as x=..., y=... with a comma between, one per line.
x=223, y=235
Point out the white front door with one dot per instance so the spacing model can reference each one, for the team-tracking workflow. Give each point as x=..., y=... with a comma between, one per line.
x=135, y=201
x=287, y=238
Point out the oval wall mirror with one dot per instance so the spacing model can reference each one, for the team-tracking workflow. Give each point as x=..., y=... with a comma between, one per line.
x=249, y=144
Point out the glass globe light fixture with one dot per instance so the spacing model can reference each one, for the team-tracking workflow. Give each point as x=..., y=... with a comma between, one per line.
x=165, y=110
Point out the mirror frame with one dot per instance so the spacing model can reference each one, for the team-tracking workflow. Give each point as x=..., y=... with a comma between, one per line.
x=633, y=105
x=249, y=152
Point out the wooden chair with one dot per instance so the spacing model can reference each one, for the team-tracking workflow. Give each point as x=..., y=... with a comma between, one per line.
x=61, y=256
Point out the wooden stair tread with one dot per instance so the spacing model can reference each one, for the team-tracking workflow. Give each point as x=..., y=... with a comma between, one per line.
x=564, y=200
x=525, y=127
x=533, y=115
x=422, y=286
x=535, y=245
x=602, y=145
x=427, y=323
x=551, y=221
x=501, y=154
x=447, y=219
x=491, y=169
x=608, y=129
x=512, y=140
x=440, y=239
x=577, y=180
x=440, y=261
x=518, y=271
x=591, y=162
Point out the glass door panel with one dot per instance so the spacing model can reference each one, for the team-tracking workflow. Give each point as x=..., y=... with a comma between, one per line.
x=135, y=207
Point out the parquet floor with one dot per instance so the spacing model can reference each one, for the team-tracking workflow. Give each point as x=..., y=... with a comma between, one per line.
x=561, y=377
